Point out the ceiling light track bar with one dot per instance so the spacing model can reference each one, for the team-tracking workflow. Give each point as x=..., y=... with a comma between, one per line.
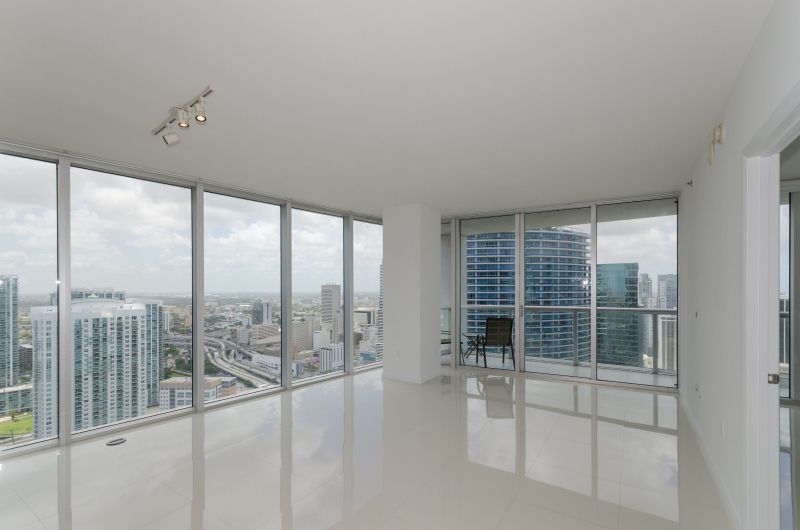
x=173, y=117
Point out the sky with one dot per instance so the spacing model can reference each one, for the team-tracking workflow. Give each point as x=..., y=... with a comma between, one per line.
x=135, y=235
x=651, y=242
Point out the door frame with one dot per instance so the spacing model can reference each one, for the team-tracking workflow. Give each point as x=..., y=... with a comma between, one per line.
x=759, y=318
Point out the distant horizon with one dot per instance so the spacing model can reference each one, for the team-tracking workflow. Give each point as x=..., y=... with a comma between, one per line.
x=188, y=295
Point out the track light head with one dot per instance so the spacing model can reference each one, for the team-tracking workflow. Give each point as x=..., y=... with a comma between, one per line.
x=200, y=110
x=170, y=137
x=180, y=116
x=183, y=118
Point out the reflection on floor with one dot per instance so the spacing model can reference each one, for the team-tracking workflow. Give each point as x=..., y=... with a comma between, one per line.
x=604, y=373
x=469, y=450
x=789, y=470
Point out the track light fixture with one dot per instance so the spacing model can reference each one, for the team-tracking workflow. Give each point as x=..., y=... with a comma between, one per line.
x=183, y=118
x=200, y=110
x=180, y=116
x=170, y=137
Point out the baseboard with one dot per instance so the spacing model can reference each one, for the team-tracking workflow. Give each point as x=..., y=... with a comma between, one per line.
x=716, y=477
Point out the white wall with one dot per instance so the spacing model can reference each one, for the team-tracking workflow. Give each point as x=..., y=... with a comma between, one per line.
x=711, y=224
x=411, y=276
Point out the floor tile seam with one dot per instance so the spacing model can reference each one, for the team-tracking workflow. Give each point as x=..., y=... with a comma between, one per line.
x=407, y=497
x=27, y=506
x=315, y=489
x=150, y=520
x=96, y=497
x=575, y=517
x=539, y=452
x=173, y=489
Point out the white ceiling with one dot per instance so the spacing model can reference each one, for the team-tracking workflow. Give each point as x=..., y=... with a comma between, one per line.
x=468, y=105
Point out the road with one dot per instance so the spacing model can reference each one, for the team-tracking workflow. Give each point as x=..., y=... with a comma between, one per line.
x=215, y=352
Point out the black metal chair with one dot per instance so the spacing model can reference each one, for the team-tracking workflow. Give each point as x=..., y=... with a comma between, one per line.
x=499, y=333
x=473, y=345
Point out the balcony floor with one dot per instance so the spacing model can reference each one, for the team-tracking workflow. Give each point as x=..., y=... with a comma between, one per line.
x=468, y=450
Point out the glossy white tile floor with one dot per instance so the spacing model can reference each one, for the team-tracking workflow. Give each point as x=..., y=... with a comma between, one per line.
x=467, y=451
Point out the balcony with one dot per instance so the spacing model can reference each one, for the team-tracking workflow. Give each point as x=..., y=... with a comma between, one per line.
x=634, y=345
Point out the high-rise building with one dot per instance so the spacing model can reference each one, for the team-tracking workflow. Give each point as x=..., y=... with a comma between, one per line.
x=118, y=350
x=379, y=320
x=337, y=329
x=489, y=277
x=154, y=323
x=110, y=348
x=646, y=291
x=667, y=342
x=262, y=312
x=154, y=346
x=110, y=361
x=9, y=331
x=557, y=273
x=154, y=329
x=331, y=357
x=646, y=301
x=668, y=291
x=330, y=301
x=321, y=338
x=302, y=333
x=618, y=339
x=557, y=270
x=44, y=399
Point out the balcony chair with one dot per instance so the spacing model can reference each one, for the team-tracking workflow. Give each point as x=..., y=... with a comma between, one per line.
x=499, y=333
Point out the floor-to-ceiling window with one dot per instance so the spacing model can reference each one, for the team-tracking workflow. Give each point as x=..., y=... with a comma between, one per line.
x=367, y=293
x=131, y=297
x=488, y=288
x=446, y=338
x=558, y=294
x=784, y=307
x=29, y=353
x=317, y=340
x=637, y=292
x=143, y=258
x=242, y=295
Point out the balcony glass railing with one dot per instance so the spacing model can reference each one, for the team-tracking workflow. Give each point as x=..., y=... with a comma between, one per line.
x=637, y=345
x=445, y=334
x=634, y=345
x=784, y=353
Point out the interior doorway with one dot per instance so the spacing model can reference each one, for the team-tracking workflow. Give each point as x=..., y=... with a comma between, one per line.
x=789, y=337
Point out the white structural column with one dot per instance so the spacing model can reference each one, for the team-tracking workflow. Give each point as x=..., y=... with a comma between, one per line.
x=411, y=276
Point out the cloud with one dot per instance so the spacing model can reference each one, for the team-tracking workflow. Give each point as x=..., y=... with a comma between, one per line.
x=650, y=242
x=317, y=258
x=129, y=233
x=367, y=256
x=135, y=235
x=242, y=245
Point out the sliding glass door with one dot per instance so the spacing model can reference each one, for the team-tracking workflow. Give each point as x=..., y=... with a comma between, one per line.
x=488, y=288
x=558, y=293
x=637, y=292
x=595, y=290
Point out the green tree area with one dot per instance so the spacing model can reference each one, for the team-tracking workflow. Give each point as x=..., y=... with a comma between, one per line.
x=20, y=425
x=185, y=366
